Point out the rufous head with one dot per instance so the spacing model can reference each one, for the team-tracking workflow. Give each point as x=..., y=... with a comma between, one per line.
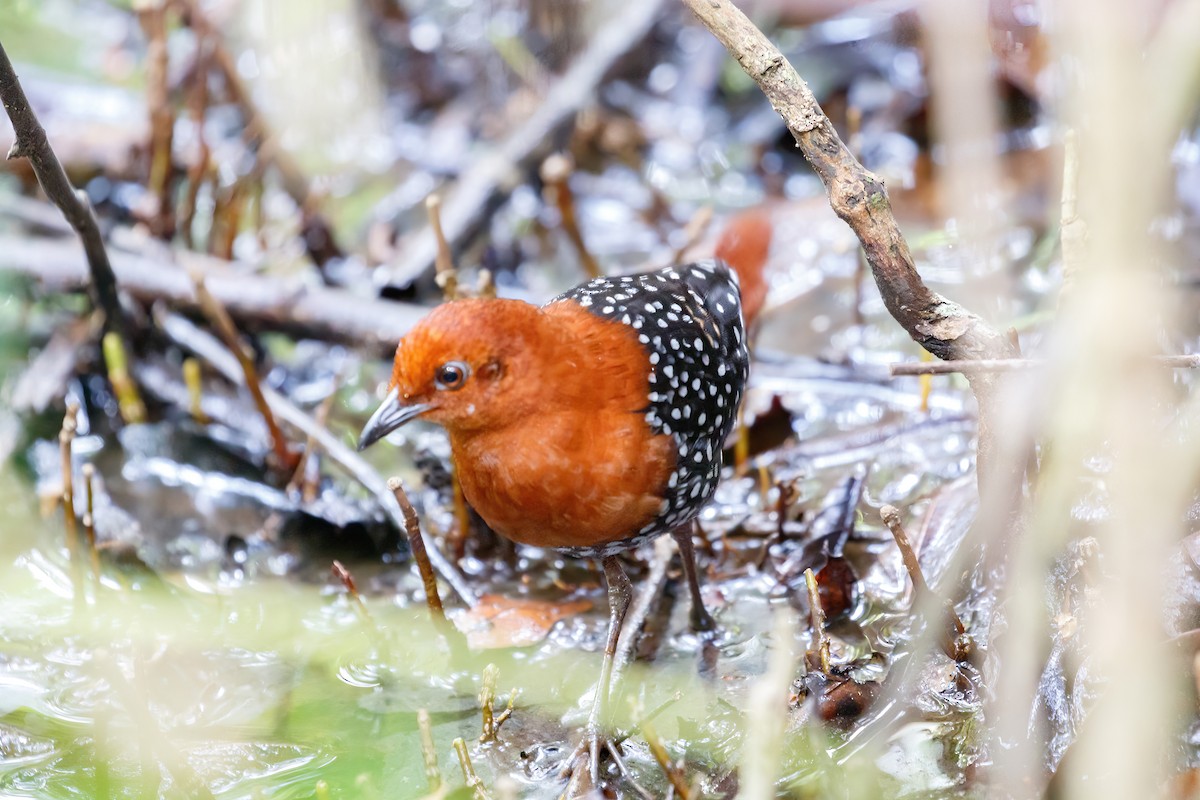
x=461, y=366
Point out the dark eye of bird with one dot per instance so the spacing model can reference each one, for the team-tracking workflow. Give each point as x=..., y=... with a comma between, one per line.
x=451, y=375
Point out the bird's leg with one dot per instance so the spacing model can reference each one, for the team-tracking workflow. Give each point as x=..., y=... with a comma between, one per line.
x=701, y=619
x=620, y=594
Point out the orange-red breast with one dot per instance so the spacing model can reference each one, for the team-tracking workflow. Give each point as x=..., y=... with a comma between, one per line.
x=597, y=421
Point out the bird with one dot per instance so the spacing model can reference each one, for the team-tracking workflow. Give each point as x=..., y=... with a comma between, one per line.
x=597, y=421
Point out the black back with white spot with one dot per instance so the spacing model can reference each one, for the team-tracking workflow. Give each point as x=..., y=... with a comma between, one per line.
x=689, y=321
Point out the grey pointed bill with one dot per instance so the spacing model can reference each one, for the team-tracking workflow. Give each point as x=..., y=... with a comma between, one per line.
x=390, y=415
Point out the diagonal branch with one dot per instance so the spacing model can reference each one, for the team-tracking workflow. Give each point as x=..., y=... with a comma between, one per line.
x=30, y=142
x=944, y=328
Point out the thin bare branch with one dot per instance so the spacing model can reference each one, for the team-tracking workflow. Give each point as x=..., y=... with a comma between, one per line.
x=955, y=642
x=971, y=366
x=30, y=142
x=942, y=327
x=556, y=179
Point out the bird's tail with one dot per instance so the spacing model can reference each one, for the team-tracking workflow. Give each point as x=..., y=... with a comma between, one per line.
x=744, y=245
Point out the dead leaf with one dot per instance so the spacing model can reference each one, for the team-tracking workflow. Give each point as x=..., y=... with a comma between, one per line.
x=499, y=621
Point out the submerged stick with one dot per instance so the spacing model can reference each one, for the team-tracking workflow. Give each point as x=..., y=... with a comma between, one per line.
x=468, y=770
x=820, y=637
x=556, y=178
x=65, y=437
x=89, y=521
x=492, y=722
x=433, y=774
x=347, y=580
x=192, y=379
x=674, y=774
x=129, y=401
x=221, y=320
x=416, y=542
x=283, y=304
x=955, y=642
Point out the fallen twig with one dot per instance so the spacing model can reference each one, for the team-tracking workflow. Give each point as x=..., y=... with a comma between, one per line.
x=252, y=300
x=203, y=344
x=955, y=642
x=483, y=181
x=30, y=142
